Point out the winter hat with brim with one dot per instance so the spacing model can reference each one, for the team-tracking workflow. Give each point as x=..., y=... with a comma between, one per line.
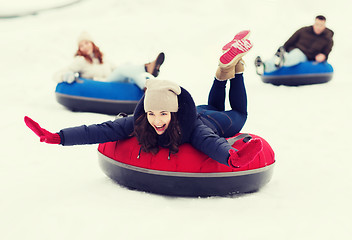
x=84, y=36
x=161, y=95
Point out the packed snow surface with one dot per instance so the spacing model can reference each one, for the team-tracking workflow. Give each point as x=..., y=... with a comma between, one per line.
x=56, y=192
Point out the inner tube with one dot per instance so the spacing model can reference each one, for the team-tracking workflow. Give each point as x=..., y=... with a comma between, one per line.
x=85, y=95
x=189, y=173
x=305, y=73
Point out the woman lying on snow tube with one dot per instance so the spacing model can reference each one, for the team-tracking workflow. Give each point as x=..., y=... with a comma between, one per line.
x=111, y=89
x=304, y=73
x=86, y=95
x=90, y=63
x=166, y=117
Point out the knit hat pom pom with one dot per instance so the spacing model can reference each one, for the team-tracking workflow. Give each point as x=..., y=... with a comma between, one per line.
x=84, y=36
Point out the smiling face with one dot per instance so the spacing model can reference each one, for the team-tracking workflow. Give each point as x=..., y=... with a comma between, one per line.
x=159, y=120
x=319, y=26
x=86, y=47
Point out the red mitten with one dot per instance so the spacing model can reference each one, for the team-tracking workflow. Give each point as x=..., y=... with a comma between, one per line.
x=44, y=135
x=246, y=154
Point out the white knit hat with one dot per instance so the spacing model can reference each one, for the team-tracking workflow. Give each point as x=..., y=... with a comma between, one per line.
x=84, y=36
x=161, y=95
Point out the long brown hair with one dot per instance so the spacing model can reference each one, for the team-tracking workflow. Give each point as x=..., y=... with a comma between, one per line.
x=148, y=138
x=96, y=51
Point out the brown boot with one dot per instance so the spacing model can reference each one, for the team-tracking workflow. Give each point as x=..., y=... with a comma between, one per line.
x=154, y=67
x=224, y=73
x=239, y=68
x=230, y=71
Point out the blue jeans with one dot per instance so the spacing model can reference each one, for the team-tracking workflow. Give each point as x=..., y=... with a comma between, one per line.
x=227, y=123
x=294, y=57
x=132, y=73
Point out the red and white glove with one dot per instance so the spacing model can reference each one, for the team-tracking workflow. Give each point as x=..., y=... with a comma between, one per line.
x=246, y=154
x=44, y=135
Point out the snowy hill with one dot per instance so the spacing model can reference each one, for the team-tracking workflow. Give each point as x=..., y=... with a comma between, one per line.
x=56, y=192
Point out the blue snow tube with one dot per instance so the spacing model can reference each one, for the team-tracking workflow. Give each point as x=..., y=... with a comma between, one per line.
x=305, y=73
x=86, y=95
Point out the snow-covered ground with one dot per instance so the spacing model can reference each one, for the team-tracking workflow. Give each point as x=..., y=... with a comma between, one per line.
x=55, y=192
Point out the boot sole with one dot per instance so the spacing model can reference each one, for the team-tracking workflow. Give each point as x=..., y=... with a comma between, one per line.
x=234, y=54
x=241, y=35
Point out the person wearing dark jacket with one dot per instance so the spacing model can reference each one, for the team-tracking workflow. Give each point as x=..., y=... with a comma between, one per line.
x=311, y=43
x=166, y=116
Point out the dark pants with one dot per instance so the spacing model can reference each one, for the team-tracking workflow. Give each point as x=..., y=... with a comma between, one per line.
x=230, y=122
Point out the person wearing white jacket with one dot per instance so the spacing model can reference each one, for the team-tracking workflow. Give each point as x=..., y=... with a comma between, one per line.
x=89, y=63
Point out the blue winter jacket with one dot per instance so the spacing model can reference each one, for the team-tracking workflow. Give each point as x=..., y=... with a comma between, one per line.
x=199, y=132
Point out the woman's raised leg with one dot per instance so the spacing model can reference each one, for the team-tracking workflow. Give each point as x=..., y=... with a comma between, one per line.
x=237, y=94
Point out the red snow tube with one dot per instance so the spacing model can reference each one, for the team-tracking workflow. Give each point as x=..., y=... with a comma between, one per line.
x=188, y=173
